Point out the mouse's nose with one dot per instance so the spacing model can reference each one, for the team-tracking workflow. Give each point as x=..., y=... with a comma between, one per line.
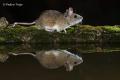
x=81, y=19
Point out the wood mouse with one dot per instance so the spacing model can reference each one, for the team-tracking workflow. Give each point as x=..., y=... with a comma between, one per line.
x=52, y=20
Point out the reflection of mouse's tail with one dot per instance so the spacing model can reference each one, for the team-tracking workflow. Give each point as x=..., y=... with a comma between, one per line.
x=16, y=54
x=22, y=23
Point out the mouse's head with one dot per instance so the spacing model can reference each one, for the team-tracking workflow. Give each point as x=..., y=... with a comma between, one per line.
x=72, y=17
x=72, y=60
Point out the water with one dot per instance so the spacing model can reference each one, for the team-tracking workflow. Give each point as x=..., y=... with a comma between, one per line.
x=100, y=62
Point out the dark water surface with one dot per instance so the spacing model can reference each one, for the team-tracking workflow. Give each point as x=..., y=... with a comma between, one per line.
x=98, y=64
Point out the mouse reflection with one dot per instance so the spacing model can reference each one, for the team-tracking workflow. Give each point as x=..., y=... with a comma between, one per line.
x=53, y=59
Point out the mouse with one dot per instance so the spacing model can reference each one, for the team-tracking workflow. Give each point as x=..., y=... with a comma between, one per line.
x=53, y=20
x=53, y=59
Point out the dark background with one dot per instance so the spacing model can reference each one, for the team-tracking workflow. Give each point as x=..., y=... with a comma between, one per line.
x=95, y=12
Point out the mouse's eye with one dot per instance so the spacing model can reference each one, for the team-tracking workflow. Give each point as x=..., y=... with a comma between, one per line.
x=75, y=62
x=75, y=16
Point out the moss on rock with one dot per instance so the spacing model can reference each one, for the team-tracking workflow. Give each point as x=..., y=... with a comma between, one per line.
x=75, y=34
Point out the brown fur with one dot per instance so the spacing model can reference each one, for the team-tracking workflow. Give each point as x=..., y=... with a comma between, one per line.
x=51, y=17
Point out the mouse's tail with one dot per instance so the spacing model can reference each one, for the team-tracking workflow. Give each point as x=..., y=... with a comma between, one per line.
x=16, y=54
x=23, y=23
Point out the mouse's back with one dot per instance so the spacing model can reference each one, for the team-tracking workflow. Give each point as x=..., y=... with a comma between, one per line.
x=50, y=18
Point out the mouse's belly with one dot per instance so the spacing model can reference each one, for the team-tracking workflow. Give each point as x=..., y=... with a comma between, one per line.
x=52, y=28
x=52, y=62
x=51, y=65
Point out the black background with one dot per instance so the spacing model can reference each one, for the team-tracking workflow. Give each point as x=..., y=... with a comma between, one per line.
x=95, y=12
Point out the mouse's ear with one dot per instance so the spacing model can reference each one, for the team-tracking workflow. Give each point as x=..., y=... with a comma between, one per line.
x=70, y=11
